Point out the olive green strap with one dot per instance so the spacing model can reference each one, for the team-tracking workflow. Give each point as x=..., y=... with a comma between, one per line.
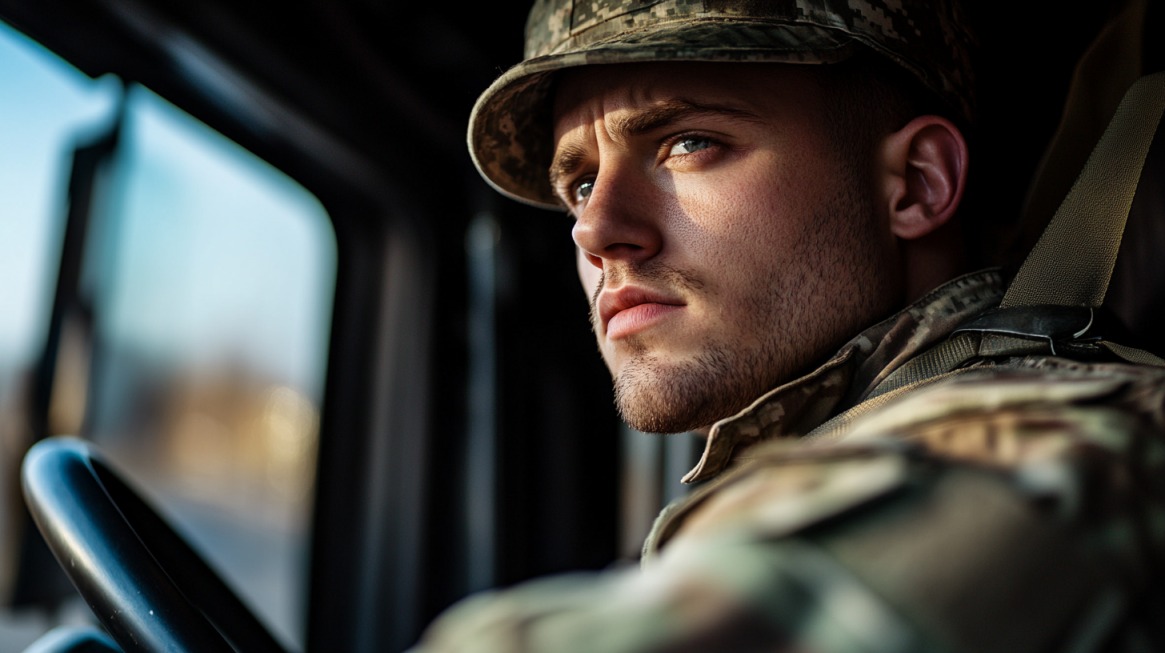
x=1072, y=262
x=1132, y=354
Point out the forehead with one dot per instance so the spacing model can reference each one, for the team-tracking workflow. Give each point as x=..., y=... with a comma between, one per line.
x=584, y=95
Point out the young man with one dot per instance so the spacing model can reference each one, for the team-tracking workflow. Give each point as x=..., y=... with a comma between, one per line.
x=766, y=202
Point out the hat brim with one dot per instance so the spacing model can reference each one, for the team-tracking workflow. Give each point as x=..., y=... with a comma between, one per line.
x=510, y=129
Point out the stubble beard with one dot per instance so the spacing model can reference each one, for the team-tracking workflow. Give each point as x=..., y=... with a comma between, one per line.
x=658, y=396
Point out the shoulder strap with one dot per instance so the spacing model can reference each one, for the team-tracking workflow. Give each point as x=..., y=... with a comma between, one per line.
x=1071, y=264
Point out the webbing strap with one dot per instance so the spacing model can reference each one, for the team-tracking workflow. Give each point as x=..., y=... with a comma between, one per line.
x=1133, y=355
x=937, y=360
x=1072, y=262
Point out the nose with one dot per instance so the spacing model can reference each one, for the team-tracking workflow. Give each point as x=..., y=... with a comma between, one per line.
x=620, y=221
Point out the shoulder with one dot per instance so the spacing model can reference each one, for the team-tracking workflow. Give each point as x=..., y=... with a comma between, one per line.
x=990, y=411
x=966, y=501
x=1023, y=423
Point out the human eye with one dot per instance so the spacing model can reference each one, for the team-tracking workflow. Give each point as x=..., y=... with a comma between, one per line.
x=689, y=145
x=575, y=191
x=580, y=189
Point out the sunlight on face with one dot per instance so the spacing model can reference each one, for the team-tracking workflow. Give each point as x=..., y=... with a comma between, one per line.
x=724, y=244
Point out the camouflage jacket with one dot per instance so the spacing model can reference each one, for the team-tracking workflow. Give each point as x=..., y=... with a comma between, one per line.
x=1015, y=503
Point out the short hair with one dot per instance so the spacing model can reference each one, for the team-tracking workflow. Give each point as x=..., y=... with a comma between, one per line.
x=870, y=97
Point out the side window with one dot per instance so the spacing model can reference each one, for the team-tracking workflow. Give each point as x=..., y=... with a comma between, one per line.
x=199, y=359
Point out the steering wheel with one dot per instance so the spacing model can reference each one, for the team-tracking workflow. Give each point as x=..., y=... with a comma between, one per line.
x=149, y=589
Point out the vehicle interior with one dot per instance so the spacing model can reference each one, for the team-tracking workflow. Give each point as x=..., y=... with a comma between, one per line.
x=254, y=272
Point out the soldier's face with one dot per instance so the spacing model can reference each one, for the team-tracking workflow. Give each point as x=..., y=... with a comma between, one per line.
x=725, y=244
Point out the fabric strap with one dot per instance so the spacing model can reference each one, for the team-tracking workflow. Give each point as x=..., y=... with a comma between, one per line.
x=1071, y=264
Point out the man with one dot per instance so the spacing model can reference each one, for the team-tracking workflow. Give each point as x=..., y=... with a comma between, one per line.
x=766, y=201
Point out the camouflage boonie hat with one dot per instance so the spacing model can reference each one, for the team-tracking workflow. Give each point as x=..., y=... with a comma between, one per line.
x=509, y=129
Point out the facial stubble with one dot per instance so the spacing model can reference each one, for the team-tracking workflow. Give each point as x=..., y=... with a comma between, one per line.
x=723, y=377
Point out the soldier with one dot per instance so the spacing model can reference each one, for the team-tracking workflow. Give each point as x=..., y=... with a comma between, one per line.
x=766, y=202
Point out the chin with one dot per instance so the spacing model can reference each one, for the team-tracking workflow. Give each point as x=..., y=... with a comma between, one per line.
x=672, y=402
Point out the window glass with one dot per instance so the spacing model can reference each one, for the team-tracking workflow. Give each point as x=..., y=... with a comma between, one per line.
x=215, y=281
x=208, y=278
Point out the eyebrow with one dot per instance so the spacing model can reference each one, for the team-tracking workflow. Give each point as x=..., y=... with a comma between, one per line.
x=571, y=156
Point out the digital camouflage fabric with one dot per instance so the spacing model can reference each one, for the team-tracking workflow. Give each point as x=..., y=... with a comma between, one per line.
x=1012, y=505
x=509, y=127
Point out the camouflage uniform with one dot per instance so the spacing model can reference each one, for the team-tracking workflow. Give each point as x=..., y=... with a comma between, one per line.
x=1013, y=504
x=927, y=488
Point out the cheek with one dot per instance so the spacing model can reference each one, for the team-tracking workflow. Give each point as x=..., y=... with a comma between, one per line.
x=742, y=212
x=766, y=181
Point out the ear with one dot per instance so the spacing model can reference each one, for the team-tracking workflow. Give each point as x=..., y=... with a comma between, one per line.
x=924, y=176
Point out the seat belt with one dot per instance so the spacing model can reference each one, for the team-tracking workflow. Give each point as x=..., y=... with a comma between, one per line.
x=1072, y=262
x=1065, y=277
x=1063, y=280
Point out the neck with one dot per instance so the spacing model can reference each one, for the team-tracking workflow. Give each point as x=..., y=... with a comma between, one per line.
x=932, y=260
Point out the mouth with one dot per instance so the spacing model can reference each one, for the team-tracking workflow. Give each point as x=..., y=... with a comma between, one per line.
x=630, y=310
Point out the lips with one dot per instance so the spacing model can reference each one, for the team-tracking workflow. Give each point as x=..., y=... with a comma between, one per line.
x=631, y=309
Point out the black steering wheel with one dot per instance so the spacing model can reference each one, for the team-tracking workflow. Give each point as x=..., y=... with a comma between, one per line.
x=149, y=589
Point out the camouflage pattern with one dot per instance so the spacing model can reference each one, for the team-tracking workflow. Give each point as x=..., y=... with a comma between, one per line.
x=1014, y=504
x=801, y=405
x=509, y=128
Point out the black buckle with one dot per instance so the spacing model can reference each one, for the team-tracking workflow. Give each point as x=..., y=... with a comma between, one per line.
x=1046, y=322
